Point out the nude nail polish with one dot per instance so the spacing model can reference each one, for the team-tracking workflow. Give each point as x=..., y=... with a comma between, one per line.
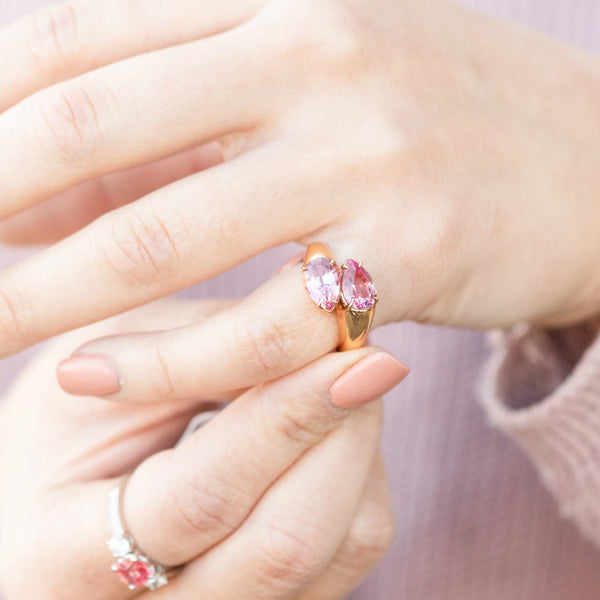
x=367, y=380
x=88, y=375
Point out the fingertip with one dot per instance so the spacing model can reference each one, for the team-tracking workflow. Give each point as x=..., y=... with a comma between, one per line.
x=367, y=380
x=88, y=375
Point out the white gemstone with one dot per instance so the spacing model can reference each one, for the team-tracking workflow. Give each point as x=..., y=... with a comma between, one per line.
x=156, y=582
x=120, y=546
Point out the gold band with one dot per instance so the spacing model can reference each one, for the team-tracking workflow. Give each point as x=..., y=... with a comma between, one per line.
x=354, y=327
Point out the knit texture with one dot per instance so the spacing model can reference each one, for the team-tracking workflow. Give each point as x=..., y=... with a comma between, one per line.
x=542, y=388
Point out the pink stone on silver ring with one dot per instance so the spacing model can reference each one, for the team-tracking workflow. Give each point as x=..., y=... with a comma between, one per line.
x=134, y=571
x=132, y=567
x=358, y=289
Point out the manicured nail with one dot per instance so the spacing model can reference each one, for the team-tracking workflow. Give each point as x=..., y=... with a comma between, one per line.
x=88, y=375
x=367, y=380
x=291, y=262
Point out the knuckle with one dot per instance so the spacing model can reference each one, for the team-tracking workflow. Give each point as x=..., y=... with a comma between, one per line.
x=143, y=247
x=14, y=313
x=67, y=120
x=431, y=255
x=53, y=37
x=204, y=506
x=370, y=538
x=303, y=422
x=291, y=554
x=162, y=373
x=303, y=431
x=265, y=344
x=320, y=31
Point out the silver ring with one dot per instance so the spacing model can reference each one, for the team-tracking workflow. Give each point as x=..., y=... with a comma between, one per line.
x=132, y=567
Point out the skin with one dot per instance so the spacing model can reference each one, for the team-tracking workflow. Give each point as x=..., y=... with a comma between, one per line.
x=455, y=155
x=309, y=524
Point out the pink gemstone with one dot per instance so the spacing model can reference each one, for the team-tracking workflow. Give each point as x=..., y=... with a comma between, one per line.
x=322, y=282
x=134, y=572
x=358, y=289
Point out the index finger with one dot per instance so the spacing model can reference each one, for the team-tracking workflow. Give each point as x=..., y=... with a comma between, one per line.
x=179, y=236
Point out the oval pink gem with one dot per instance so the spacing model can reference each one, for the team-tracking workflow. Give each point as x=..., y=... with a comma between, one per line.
x=322, y=281
x=134, y=572
x=358, y=289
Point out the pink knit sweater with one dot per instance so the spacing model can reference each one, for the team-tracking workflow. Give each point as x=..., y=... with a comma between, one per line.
x=493, y=443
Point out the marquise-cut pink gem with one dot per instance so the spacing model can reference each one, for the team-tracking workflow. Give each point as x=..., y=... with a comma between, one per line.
x=322, y=282
x=358, y=289
x=134, y=572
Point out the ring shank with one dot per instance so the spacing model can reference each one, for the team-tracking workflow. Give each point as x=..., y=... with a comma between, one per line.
x=354, y=327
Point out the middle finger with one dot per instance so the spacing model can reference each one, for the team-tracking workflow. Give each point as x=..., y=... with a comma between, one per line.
x=129, y=113
x=73, y=209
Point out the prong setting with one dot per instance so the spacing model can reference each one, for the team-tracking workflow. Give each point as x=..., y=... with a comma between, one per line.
x=358, y=290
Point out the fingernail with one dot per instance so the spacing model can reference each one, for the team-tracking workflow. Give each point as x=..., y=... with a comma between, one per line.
x=291, y=262
x=88, y=375
x=367, y=380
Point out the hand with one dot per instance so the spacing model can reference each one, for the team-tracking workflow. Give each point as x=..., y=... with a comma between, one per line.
x=413, y=136
x=283, y=495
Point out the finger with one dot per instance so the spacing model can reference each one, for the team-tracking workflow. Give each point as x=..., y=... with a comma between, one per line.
x=297, y=527
x=116, y=117
x=83, y=547
x=275, y=330
x=70, y=530
x=365, y=545
x=62, y=215
x=70, y=38
x=147, y=250
x=207, y=487
x=69, y=548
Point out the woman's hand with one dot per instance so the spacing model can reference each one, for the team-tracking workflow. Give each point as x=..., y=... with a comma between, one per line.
x=283, y=495
x=456, y=156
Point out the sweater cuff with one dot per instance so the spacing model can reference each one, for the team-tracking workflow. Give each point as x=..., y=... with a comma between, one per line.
x=542, y=389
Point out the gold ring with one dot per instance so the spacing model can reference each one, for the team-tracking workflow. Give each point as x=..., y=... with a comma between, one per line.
x=348, y=291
